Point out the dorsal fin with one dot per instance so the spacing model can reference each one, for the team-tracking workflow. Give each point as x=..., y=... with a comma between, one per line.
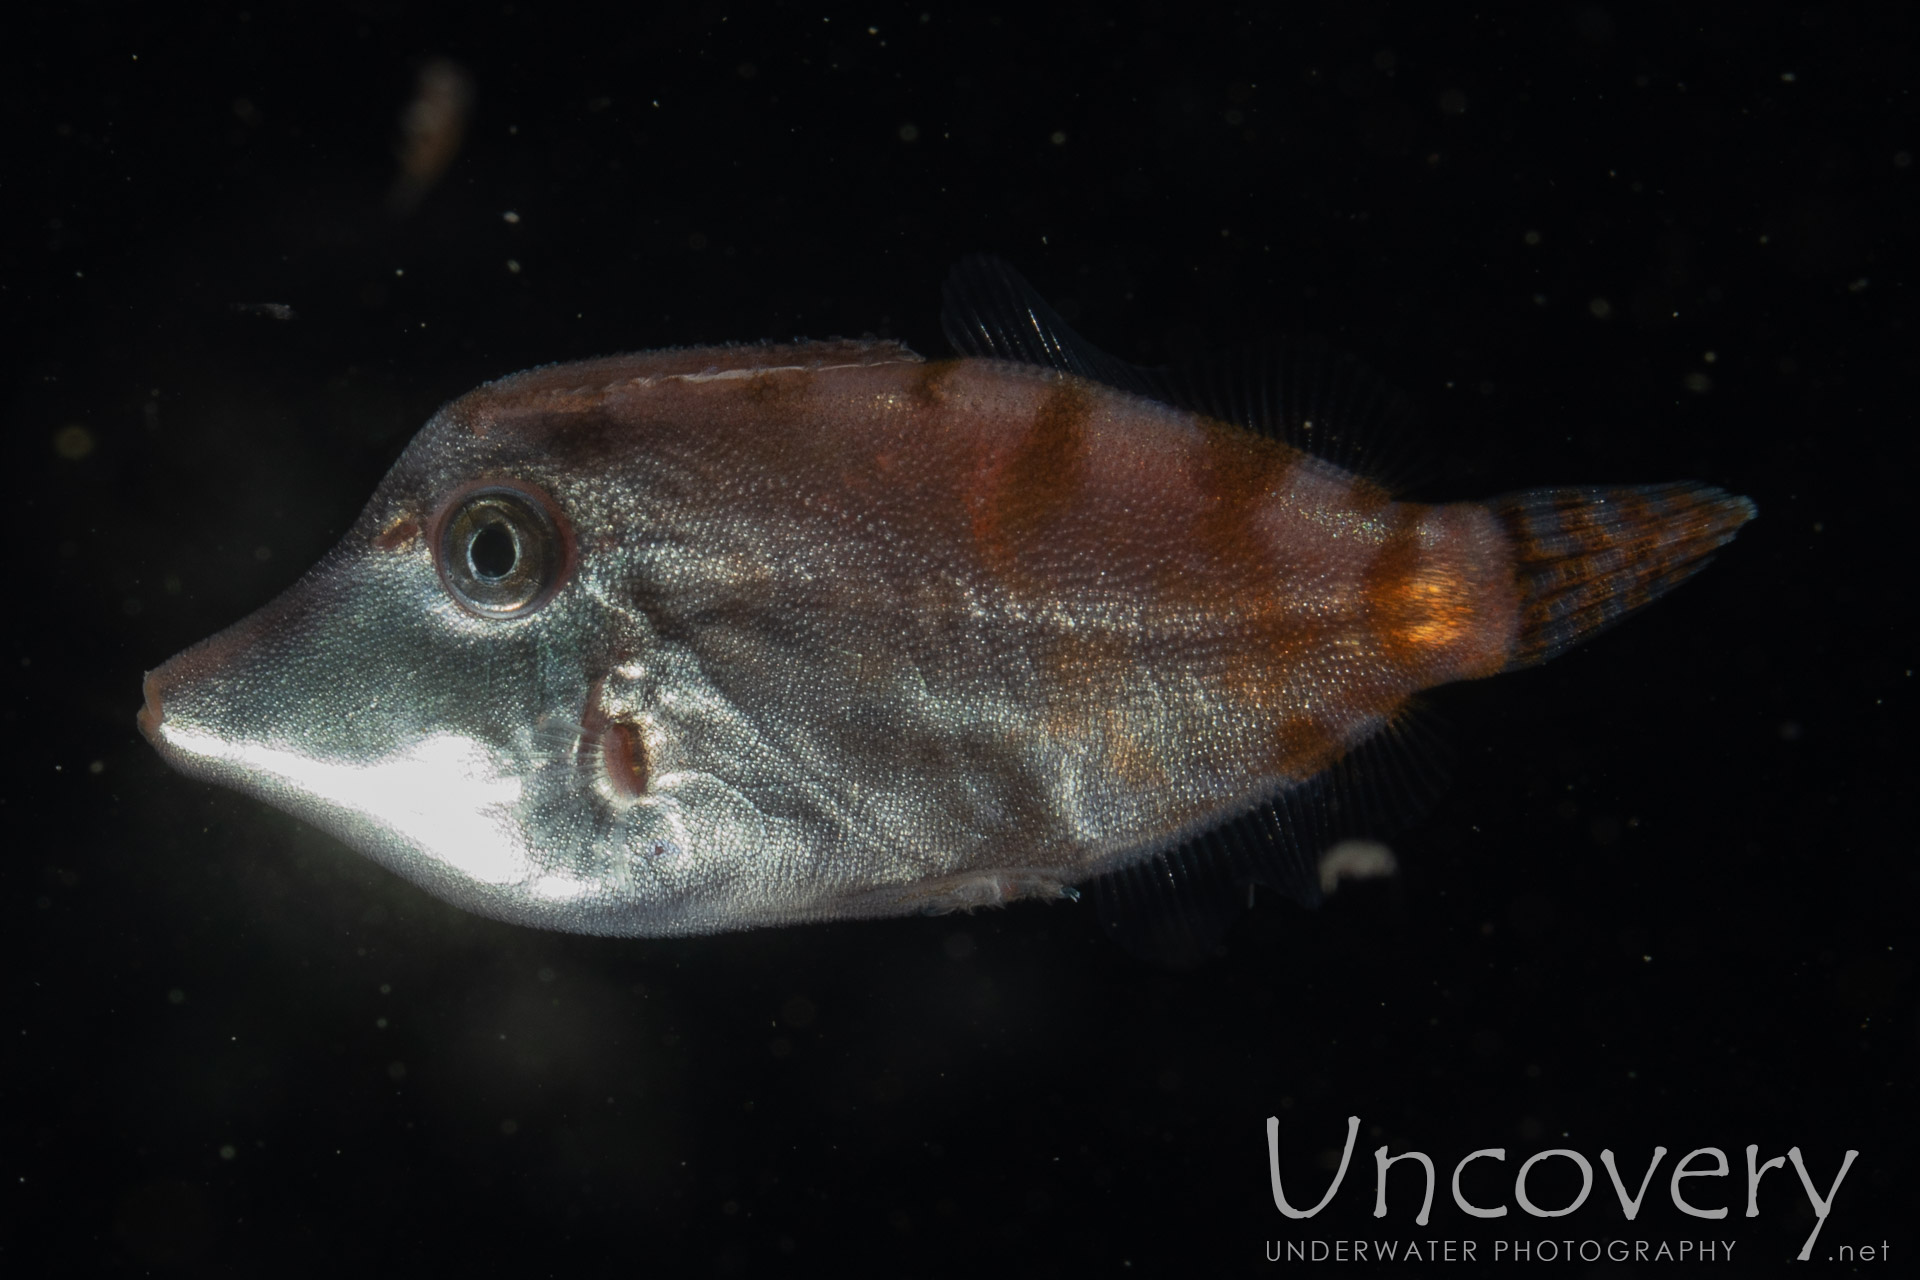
x=1303, y=393
x=990, y=312
x=1311, y=397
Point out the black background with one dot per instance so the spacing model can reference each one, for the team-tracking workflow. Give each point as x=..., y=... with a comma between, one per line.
x=1666, y=900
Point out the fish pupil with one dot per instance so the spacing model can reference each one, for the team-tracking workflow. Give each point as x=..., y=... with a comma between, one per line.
x=492, y=552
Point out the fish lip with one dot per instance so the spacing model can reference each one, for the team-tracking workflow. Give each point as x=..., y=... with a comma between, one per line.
x=152, y=710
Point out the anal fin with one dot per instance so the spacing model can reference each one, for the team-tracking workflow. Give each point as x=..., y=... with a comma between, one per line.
x=1175, y=907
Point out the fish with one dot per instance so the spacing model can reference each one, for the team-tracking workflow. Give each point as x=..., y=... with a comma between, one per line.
x=706, y=639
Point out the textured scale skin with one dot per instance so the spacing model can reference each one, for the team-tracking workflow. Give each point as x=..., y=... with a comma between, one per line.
x=844, y=633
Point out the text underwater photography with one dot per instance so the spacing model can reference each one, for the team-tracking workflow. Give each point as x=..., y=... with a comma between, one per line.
x=475, y=809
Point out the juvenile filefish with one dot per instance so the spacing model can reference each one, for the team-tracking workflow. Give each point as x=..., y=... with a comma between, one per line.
x=708, y=639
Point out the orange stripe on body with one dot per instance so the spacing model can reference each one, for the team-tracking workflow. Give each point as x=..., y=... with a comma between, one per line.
x=1426, y=606
x=1287, y=664
x=1237, y=477
x=1019, y=497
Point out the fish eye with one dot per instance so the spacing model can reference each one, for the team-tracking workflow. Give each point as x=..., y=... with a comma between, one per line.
x=501, y=550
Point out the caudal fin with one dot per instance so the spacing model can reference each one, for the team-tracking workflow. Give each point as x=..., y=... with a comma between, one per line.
x=1586, y=558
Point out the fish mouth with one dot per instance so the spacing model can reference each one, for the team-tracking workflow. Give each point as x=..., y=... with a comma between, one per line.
x=152, y=709
x=161, y=724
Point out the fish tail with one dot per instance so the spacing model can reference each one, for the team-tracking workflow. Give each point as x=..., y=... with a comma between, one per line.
x=1584, y=558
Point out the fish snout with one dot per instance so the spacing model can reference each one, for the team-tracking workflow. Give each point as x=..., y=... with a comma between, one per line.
x=188, y=701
